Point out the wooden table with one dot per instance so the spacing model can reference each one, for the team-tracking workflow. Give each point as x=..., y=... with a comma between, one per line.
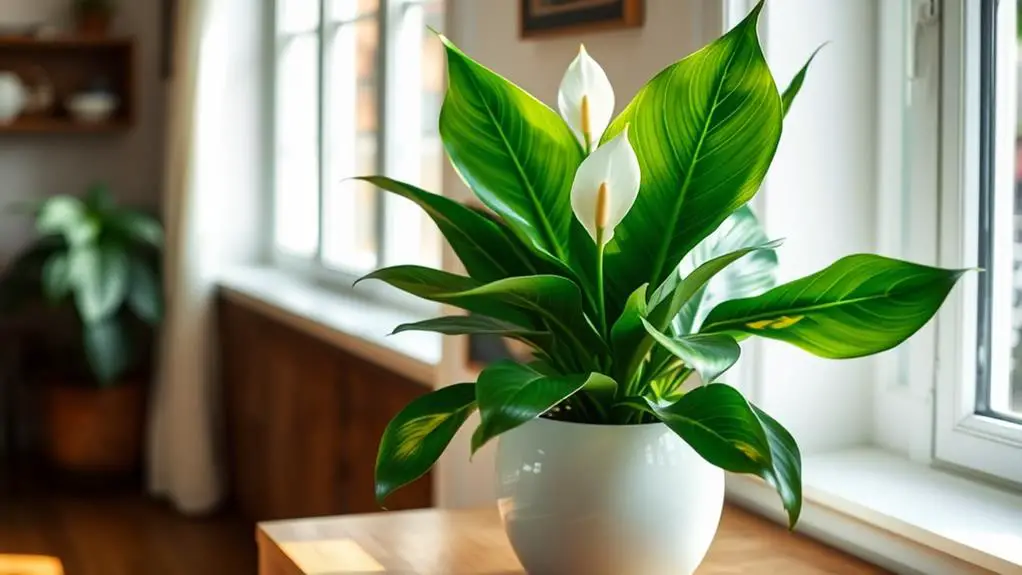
x=443, y=542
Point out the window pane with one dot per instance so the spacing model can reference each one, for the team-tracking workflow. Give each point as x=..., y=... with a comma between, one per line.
x=1010, y=63
x=343, y=10
x=295, y=16
x=349, y=223
x=1000, y=213
x=417, y=154
x=296, y=196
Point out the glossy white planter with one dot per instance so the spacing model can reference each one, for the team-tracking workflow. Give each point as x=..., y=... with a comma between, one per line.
x=594, y=499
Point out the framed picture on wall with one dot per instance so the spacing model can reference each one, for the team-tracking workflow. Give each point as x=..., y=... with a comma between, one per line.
x=559, y=17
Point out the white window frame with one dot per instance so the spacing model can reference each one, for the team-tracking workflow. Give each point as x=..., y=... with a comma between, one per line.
x=964, y=438
x=401, y=25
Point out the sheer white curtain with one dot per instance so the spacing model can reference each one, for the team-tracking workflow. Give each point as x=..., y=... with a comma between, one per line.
x=211, y=209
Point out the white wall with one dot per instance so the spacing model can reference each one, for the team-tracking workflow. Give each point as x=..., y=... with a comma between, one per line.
x=820, y=195
x=37, y=166
x=488, y=31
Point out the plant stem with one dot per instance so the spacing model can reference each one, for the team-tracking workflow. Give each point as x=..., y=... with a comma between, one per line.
x=601, y=306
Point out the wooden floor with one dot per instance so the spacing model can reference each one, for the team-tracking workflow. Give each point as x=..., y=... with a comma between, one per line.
x=121, y=535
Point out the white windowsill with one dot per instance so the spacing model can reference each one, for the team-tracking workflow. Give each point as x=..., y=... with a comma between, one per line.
x=904, y=516
x=357, y=325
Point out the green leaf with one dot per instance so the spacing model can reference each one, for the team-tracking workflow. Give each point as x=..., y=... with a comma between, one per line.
x=145, y=296
x=729, y=432
x=69, y=217
x=56, y=277
x=721, y=426
x=627, y=334
x=705, y=130
x=677, y=294
x=510, y=394
x=860, y=305
x=513, y=151
x=582, y=274
x=479, y=243
x=786, y=475
x=107, y=349
x=99, y=276
x=788, y=97
x=137, y=226
x=709, y=355
x=476, y=325
x=744, y=277
x=444, y=287
x=416, y=437
x=533, y=301
x=557, y=301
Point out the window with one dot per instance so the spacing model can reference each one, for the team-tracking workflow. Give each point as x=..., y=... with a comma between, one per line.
x=979, y=415
x=358, y=90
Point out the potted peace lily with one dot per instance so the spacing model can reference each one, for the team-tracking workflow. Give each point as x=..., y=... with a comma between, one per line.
x=621, y=251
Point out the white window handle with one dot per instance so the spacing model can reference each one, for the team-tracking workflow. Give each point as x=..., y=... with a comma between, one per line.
x=924, y=15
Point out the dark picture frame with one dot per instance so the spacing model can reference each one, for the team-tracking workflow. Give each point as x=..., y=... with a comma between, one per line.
x=538, y=18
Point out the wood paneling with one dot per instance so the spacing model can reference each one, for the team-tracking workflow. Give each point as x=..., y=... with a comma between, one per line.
x=304, y=419
x=473, y=541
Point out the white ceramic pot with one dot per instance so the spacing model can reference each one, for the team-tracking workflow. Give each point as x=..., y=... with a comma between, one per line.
x=594, y=499
x=13, y=97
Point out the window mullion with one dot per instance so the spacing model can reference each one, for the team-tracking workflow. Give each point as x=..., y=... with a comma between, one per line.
x=322, y=135
x=383, y=100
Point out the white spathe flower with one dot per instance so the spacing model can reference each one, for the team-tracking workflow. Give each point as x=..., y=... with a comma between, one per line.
x=605, y=187
x=586, y=99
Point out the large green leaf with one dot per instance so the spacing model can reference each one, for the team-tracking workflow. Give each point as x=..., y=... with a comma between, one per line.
x=513, y=151
x=728, y=432
x=136, y=226
x=107, y=349
x=709, y=354
x=99, y=276
x=69, y=217
x=417, y=436
x=476, y=325
x=786, y=476
x=720, y=425
x=445, y=287
x=482, y=247
x=748, y=277
x=510, y=394
x=860, y=305
x=535, y=302
x=705, y=130
x=145, y=297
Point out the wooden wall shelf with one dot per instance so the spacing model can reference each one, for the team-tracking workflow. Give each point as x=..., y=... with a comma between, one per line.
x=62, y=125
x=72, y=64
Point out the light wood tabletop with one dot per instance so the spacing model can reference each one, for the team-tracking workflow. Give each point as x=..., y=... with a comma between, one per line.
x=445, y=542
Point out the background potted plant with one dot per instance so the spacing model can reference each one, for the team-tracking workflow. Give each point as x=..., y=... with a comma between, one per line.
x=95, y=269
x=623, y=254
x=93, y=17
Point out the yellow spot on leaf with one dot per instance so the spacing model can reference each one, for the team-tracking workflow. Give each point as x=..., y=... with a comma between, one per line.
x=751, y=452
x=776, y=323
x=411, y=435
